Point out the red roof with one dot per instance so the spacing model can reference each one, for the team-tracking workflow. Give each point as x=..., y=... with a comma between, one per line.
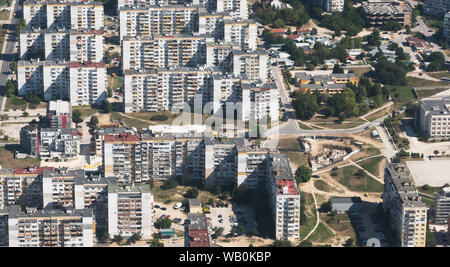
x=31, y=170
x=278, y=30
x=121, y=137
x=303, y=30
x=199, y=238
x=289, y=184
x=294, y=36
x=87, y=65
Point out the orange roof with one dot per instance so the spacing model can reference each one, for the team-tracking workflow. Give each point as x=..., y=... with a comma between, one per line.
x=31, y=170
x=199, y=238
x=278, y=30
x=290, y=184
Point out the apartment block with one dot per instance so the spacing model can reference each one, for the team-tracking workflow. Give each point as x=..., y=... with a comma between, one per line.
x=75, y=15
x=62, y=45
x=446, y=29
x=237, y=8
x=30, y=142
x=333, y=5
x=58, y=187
x=436, y=7
x=153, y=157
x=86, y=45
x=164, y=52
x=212, y=23
x=226, y=89
x=196, y=233
x=4, y=239
x=253, y=64
x=219, y=54
x=29, y=77
x=165, y=89
x=130, y=210
x=99, y=136
x=434, y=117
x=86, y=16
x=59, y=143
x=55, y=80
x=378, y=13
x=21, y=186
x=164, y=20
x=147, y=3
x=284, y=198
x=50, y=228
x=87, y=83
x=59, y=114
x=442, y=206
x=260, y=101
x=220, y=160
x=408, y=214
x=241, y=32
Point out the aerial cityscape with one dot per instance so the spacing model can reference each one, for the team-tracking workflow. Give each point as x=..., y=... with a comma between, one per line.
x=224, y=123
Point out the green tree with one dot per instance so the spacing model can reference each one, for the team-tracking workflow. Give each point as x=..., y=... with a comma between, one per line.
x=103, y=236
x=192, y=193
x=93, y=121
x=430, y=238
x=21, y=25
x=314, y=31
x=306, y=244
x=326, y=206
x=219, y=231
x=13, y=66
x=374, y=39
x=76, y=116
x=155, y=243
x=337, y=68
x=169, y=184
x=107, y=57
x=163, y=223
x=106, y=107
x=305, y=105
x=117, y=239
x=110, y=92
x=10, y=88
x=303, y=174
x=281, y=243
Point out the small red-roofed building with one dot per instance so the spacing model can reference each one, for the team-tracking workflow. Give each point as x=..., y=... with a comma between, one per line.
x=196, y=231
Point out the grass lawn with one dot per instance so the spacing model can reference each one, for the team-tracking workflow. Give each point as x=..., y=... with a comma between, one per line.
x=378, y=114
x=340, y=223
x=400, y=94
x=176, y=194
x=371, y=165
x=130, y=122
x=304, y=126
x=343, y=125
x=322, y=185
x=310, y=212
x=15, y=102
x=439, y=75
x=428, y=201
x=346, y=176
x=359, y=71
x=417, y=82
x=429, y=190
x=289, y=144
x=7, y=160
x=297, y=158
x=86, y=111
x=321, y=235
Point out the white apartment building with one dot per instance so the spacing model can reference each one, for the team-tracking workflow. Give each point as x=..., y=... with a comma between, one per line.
x=284, y=198
x=59, y=143
x=86, y=46
x=58, y=187
x=260, y=101
x=333, y=5
x=56, y=80
x=446, y=29
x=86, y=16
x=163, y=52
x=147, y=3
x=226, y=89
x=212, y=23
x=59, y=114
x=218, y=54
x=442, y=206
x=130, y=210
x=164, y=89
x=60, y=45
x=237, y=8
x=408, y=214
x=75, y=15
x=253, y=64
x=29, y=77
x=434, y=117
x=50, y=228
x=87, y=83
x=165, y=20
x=241, y=32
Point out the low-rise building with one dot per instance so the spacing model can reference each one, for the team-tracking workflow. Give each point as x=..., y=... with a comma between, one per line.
x=434, y=117
x=196, y=232
x=59, y=143
x=59, y=114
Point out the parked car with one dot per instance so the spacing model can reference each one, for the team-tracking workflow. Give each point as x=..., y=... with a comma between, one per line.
x=163, y=208
x=156, y=206
x=335, y=169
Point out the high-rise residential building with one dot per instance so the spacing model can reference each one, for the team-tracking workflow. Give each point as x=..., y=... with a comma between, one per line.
x=446, y=29
x=253, y=64
x=284, y=198
x=166, y=89
x=333, y=5
x=212, y=23
x=241, y=32
x=147, y=3
x=238, y=8
x=407, y=212
x=59, y=143
x=62, y=45
x=75, y=15
x=219, y=54
x=58, y=187
x=164, y=52
x=86, y=45
x=442, y=206
x=59, y=114
x=434, y=117
x=130, y=210
x=29, y=77
x=165, y=20
x=30, y=142
x=21, y=186
x=379, y=12
x=50, y=228
x=55, y=80
x=87, y=83
x=260, y=101
x=226, y=89
x=436, y=7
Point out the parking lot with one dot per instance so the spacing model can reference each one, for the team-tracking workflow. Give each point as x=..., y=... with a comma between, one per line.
x=233, y=215
x=434, y=172
x=171, y=213
x=366, y=223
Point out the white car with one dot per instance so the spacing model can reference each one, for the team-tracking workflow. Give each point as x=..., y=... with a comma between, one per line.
x=178, y=205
